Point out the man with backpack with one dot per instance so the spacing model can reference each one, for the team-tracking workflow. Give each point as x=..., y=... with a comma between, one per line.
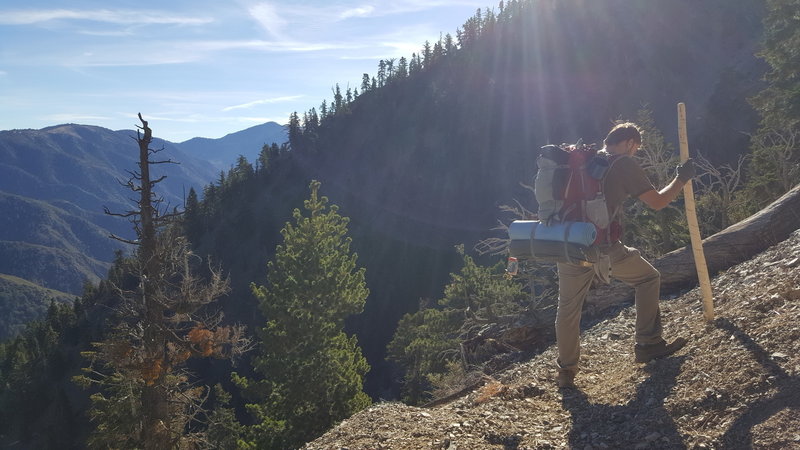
x=624, y=178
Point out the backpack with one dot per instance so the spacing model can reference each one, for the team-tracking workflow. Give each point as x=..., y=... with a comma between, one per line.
x=569, y=187
x=572, y=206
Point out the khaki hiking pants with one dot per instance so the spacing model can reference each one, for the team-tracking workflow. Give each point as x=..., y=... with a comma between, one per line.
x=628, y=266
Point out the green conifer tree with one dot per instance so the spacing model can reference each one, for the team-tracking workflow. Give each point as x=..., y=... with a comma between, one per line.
x=428, y=343
x=313, y=372
x=365, y=83
x=775, y=162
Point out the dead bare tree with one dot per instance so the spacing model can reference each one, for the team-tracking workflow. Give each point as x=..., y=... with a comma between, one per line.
x=717, y=188
x=517, y=211
x=147, y=398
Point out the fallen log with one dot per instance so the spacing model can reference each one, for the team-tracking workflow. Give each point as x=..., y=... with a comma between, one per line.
x=731, y=246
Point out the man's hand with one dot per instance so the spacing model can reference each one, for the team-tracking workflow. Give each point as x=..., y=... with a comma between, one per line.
x=685, y=171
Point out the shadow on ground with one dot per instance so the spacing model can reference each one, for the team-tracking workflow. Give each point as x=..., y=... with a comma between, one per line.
x=641, y=422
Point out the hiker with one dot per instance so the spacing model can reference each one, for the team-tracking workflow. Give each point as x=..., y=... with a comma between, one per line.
x=625, y=178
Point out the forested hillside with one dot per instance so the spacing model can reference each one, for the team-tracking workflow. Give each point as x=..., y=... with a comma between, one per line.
x=21, y=302
x=359, y=233
x=430, y=147
x=54, y=186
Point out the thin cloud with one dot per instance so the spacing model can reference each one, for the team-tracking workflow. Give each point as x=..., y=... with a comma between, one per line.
x=267, y=16
x=258, y=120
x=111, y=33
x=288, y=98
x=264, y=45
x=402, y=7
x=167, y=53
x=125, y=17
x=73, y=117
x=362, y=11
x=205, y=118
x=299, y=28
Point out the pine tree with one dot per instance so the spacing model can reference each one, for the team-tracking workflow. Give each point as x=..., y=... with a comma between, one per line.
x=381, y=73
x=775, y=163
x=365, y=83
x=402, y=68
x=423, y=344
x=241, y=172
x=323, y=111
x=428, y=343
x=192, y=216
x=390, y=69
x=438, y=50
x=781, y=100
x=414, y=65
x=295, y=132
x=313, y=372
x=427, y=55
x=338, y=102
x=449, y=44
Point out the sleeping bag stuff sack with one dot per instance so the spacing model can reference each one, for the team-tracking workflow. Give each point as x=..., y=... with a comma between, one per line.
x=549, y=251
x=563, y=242
x=582, y=233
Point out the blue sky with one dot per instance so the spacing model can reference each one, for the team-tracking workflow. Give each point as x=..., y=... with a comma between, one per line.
x=199, y=67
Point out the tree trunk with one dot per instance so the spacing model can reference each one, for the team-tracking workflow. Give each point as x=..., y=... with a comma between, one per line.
x=155, y=406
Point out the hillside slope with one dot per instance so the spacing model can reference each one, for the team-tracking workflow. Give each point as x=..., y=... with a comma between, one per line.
x=21, y=302
x=423, y=162
x=54, y=184
x=735, y=385
x=84, y=164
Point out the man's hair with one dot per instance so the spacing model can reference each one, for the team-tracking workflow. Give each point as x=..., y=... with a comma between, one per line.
x=623, y=132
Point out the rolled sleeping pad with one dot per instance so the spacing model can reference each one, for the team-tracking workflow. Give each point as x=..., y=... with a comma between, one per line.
x=547, y=250
x=581, y=233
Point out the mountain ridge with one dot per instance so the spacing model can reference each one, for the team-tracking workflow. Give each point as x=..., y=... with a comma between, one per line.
x=54, y=185
x=222, y=152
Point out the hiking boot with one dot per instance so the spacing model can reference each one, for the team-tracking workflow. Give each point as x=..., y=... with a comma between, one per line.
x=647, y=353
x=566, y=379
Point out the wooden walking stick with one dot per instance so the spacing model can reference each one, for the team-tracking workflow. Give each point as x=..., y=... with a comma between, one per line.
x=691, y=217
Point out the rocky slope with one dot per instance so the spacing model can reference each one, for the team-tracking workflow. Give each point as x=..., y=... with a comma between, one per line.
x=735, y=385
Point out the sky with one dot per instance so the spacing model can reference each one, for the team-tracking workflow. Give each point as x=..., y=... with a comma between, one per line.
x=199, y=68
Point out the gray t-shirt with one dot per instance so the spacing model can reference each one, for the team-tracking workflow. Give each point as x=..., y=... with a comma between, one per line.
x=624, y=179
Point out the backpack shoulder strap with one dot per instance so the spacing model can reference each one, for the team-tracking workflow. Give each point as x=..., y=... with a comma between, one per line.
x=612, y=159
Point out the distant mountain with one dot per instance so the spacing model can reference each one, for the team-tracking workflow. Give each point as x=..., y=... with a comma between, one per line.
x=224, y=151
x=51, y=246
x=54, y=184
x=22, y=301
